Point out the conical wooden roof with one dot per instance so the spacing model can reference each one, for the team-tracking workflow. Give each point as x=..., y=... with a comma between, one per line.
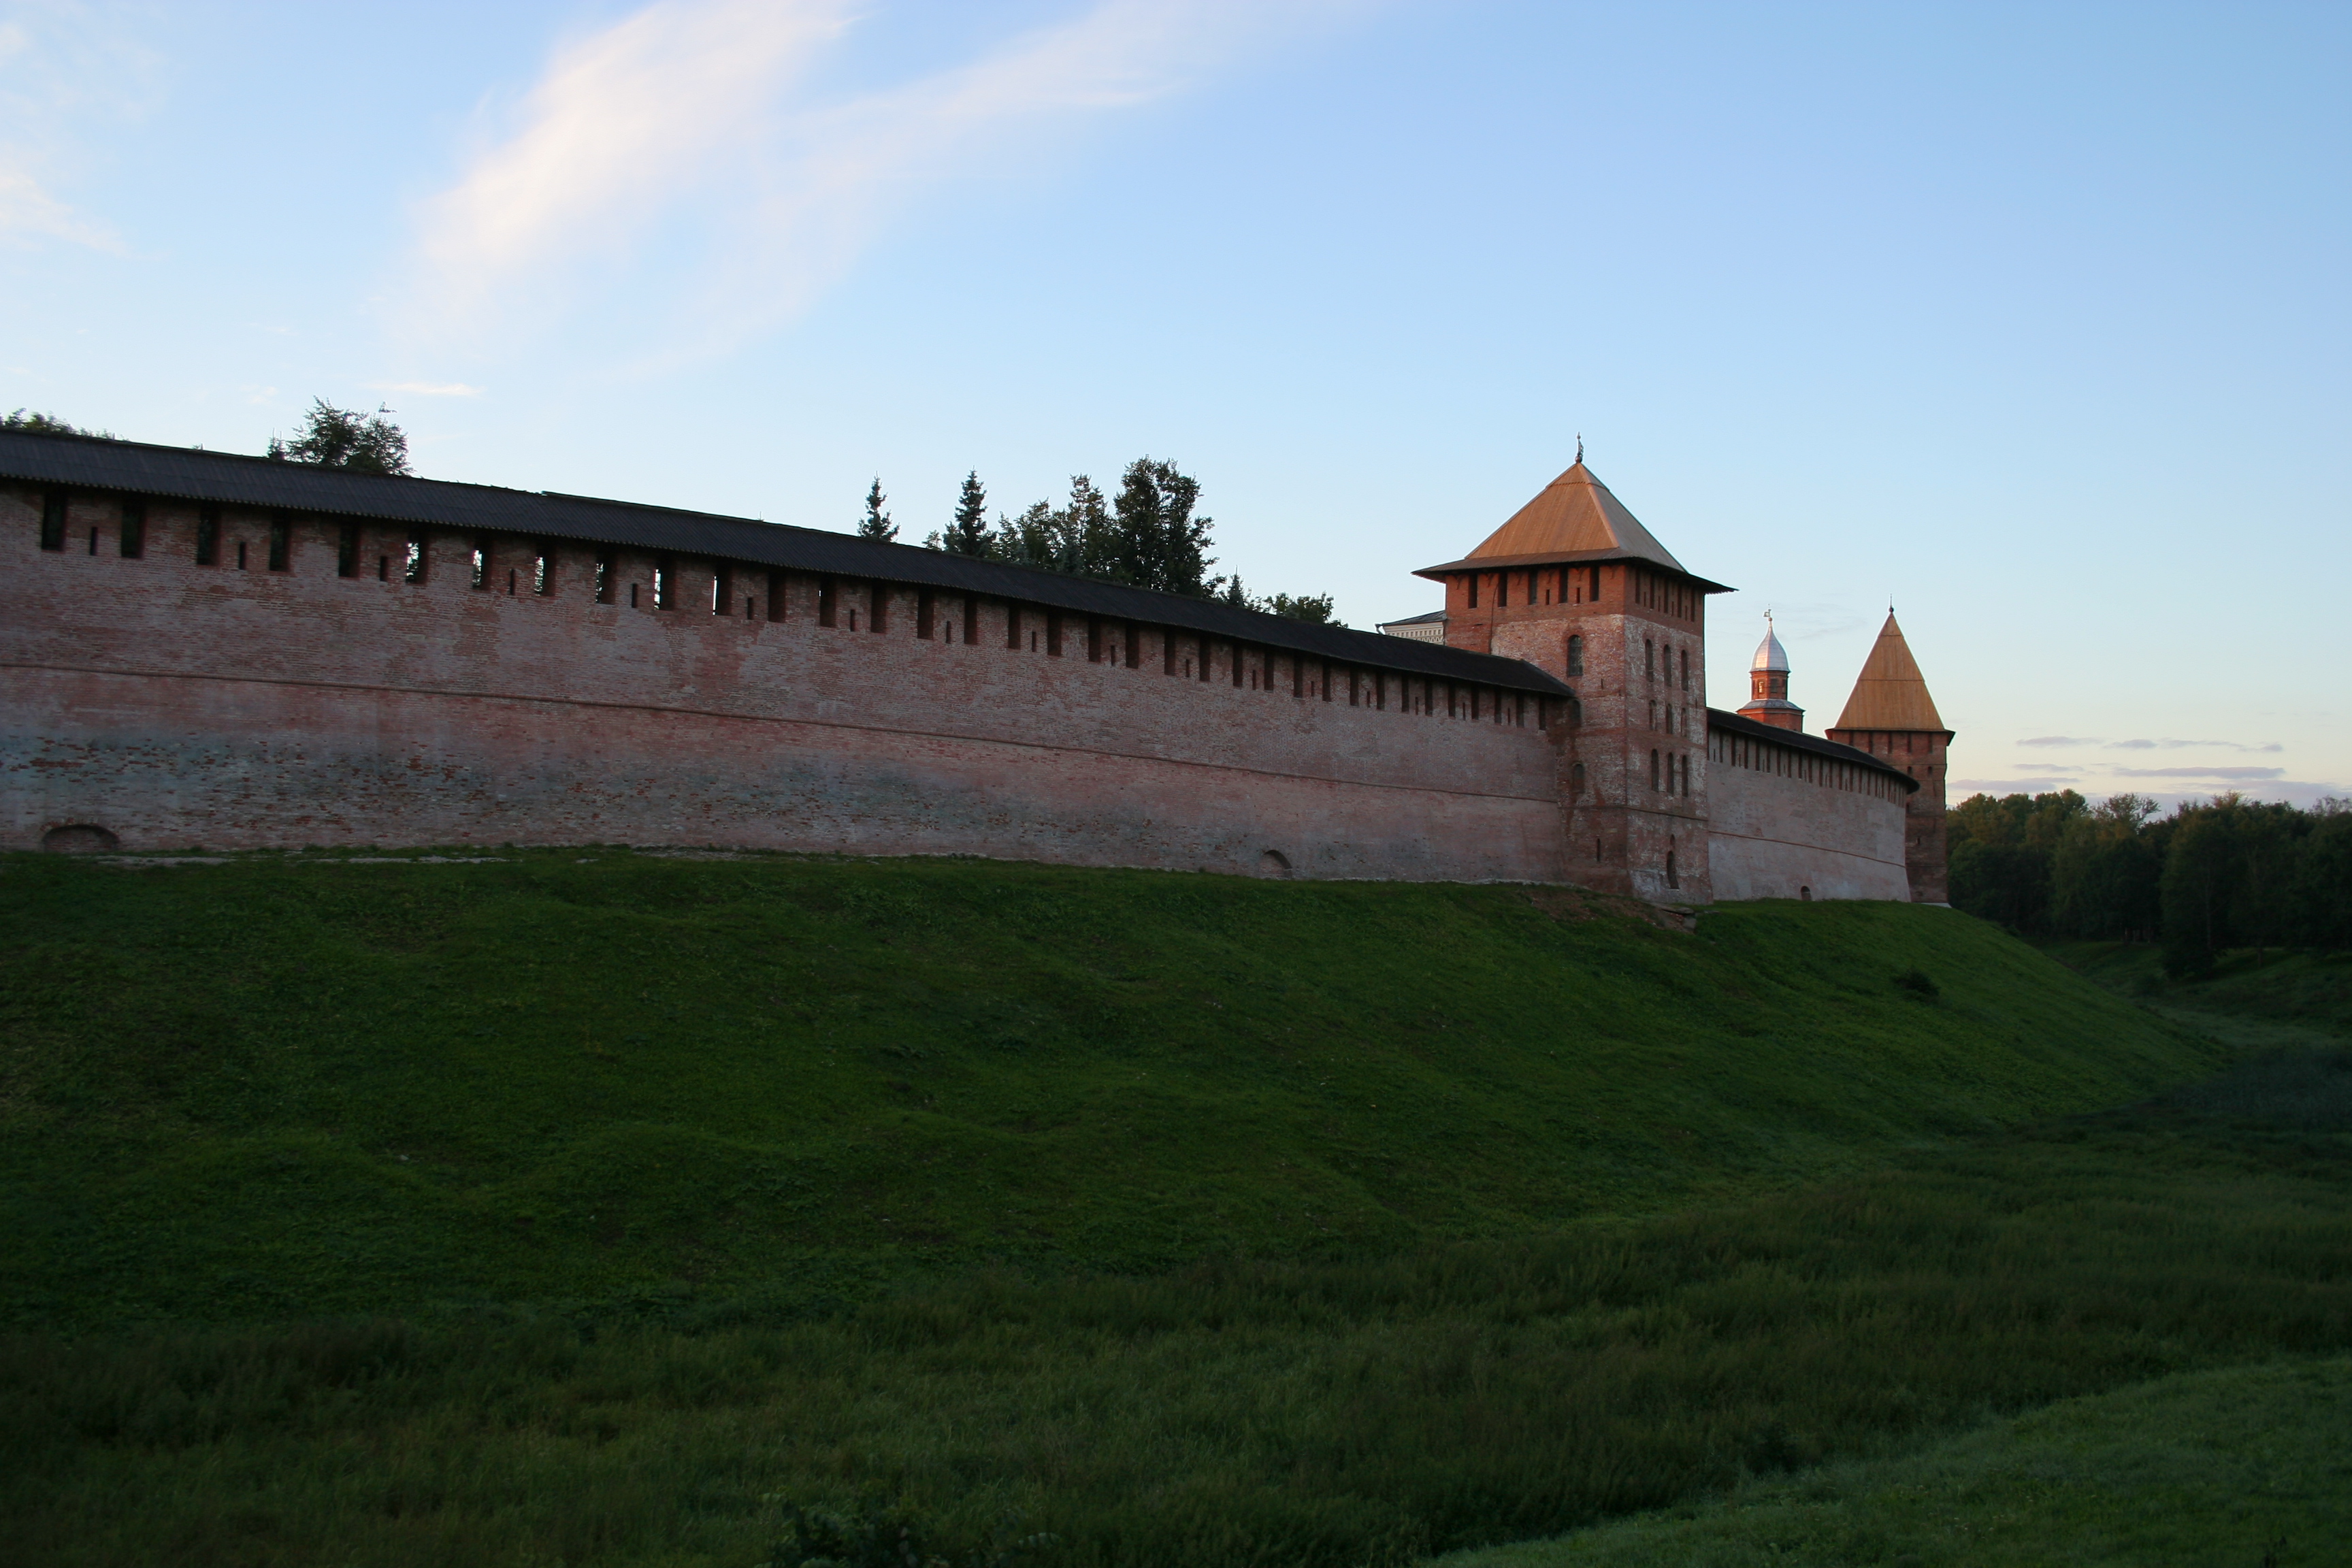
x=1890, y=693
x=1574, y=515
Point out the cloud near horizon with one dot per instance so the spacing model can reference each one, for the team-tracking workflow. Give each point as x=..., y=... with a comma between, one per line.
x=2168, y=743
x=686, y=130
x=2231, y=775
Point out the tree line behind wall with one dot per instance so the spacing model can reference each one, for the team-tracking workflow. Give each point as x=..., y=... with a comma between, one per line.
x=1149, y=535
x=2228, y=873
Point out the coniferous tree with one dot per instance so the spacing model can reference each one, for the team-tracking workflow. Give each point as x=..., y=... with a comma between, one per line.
x=876, y=524
x=968, y=533
x=1089, y=545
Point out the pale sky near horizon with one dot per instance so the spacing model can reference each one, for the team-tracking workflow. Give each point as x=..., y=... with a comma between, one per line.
x=2032, y=318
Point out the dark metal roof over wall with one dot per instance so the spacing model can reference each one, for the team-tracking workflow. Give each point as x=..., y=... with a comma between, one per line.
x=1797, y=740
x=232, y=479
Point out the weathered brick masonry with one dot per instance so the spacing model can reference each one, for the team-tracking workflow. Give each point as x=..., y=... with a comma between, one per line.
x=206, y=650
x=1795, y=818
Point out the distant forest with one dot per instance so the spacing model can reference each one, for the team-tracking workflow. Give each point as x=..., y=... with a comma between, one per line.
x=2231, y=873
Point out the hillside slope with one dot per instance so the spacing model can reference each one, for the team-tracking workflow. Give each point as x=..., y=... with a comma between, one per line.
x=277, y=1086
x=2243, y=1464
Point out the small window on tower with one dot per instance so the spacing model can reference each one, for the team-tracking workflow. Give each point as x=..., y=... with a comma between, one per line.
x=1576, y=656
x=208, y=536
x=53, y=521
x=1649, y=659
x=1474, y=590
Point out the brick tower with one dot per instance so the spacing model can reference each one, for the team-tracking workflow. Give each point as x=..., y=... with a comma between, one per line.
x=1891, y=715
x=1574, y=585
x=1767, y=685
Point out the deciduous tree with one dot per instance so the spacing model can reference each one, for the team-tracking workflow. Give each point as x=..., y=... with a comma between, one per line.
x=346, y=438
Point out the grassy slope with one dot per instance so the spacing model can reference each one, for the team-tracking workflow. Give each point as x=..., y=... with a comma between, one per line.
x=2240, y=1464
x=2308, y=992
x=271, y=1088
x=1316, y=1413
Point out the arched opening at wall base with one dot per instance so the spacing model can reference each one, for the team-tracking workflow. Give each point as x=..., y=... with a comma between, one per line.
x=79, y=838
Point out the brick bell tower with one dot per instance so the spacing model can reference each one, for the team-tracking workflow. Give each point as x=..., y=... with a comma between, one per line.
x=1574, y=585
x=1891, y=715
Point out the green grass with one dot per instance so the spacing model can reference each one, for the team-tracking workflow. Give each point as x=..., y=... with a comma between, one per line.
x=1303, y=1412
x=2244, y=1464
x=587, y=1208
x=2308, y=991
x=279, y=1088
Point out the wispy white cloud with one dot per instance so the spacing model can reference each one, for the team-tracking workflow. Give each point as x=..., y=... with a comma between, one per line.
x=29, y=213
x=687, y=126
x=2036, y=785
x=60, y=65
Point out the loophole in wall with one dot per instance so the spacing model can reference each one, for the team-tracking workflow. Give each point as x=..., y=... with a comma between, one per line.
x=1274, y=863
x=79, y=838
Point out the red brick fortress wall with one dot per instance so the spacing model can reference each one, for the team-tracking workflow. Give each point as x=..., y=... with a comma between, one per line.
x=229, y=705
x=1789, y=823
x=1925, y=755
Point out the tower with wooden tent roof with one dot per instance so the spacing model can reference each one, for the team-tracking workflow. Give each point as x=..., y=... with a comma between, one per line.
x=1892, y=716
x=1574, y=585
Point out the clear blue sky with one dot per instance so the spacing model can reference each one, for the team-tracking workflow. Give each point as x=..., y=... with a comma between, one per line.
x=2031, y=318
